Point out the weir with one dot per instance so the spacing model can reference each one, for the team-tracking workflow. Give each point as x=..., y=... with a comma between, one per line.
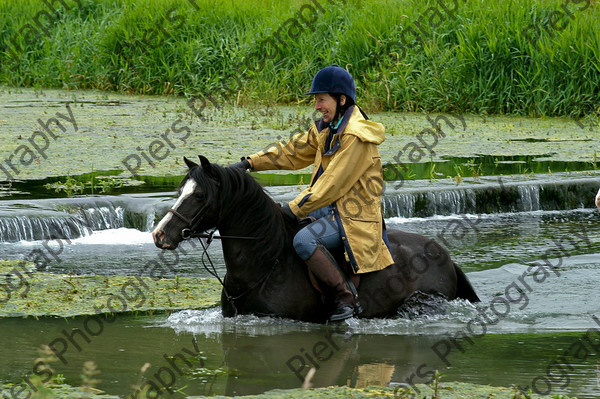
x=547, y=193
x=70, y=218
x=44, y=219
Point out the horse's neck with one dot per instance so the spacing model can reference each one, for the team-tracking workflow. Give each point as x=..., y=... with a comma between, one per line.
x=261, y=244
x=239, y=222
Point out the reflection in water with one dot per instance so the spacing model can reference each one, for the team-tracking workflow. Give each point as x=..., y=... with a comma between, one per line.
x=371, y=374
x=249, y=355
x=284, y=360
x=278, y=354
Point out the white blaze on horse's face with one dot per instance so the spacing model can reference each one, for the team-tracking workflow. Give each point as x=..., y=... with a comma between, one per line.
x=598, y=199
x=188, y=189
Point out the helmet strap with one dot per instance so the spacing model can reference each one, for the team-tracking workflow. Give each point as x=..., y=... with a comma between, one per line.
x=338, y=113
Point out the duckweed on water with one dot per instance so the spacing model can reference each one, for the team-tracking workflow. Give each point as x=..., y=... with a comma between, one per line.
x=452, y=390
x=106, y=136
x=45, y=294
x=56, y=391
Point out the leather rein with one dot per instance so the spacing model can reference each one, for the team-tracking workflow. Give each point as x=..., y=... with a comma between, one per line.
x=189, y=232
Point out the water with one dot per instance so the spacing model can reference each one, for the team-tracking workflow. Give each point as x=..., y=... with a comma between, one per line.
x=536, y=269
x=250, y=355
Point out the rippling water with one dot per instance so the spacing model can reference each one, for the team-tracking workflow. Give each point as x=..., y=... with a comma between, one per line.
x=537, y=273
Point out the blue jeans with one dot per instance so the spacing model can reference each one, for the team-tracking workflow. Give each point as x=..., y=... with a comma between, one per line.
x=323, y=231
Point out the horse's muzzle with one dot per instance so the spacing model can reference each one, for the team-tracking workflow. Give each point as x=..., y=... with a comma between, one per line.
x=159, y=240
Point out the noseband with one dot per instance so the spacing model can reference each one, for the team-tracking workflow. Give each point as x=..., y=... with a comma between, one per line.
x=188, y=231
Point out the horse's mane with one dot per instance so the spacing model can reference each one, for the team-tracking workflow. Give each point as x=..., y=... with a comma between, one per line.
x=242, y=199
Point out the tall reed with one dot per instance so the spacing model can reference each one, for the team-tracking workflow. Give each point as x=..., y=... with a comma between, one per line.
x=477, y=59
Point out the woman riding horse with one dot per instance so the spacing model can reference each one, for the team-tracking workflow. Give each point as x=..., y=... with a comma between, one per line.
x=344, y=195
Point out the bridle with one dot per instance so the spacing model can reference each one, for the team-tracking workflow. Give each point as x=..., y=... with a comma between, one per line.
x=189, y=232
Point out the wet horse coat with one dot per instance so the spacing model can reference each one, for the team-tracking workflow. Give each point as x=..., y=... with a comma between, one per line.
x=264, y=274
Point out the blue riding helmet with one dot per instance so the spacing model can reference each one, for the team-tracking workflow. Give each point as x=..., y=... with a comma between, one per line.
x=334, y=80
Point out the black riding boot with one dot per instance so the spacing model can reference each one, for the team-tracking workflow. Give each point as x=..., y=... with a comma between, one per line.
x=322, y=265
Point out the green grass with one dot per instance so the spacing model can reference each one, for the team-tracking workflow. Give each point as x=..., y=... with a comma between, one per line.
x=479, y=60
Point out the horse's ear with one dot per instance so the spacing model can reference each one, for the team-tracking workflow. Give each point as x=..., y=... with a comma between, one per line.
x=204, y=162
x=190, y=164
x=207, y=166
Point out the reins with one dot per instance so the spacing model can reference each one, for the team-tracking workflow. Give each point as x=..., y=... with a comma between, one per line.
x=213, y=272
x=187, y=233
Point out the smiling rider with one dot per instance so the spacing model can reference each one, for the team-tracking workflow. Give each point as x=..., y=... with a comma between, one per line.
x=344, y=195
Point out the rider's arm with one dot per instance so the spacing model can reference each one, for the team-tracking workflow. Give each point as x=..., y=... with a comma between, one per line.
x=299, y=152
x=347, y=166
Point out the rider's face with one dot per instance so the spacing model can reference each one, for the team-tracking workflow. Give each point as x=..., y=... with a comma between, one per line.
x=326, y=105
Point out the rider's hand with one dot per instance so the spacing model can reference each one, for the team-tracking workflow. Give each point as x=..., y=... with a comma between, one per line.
x=287, y=213
x=243, y=164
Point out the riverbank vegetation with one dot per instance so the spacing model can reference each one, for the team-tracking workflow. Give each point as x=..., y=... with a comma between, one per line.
x=525, y=57
x=437, y=390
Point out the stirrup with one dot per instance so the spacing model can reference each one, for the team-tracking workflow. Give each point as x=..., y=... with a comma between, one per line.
x=343, y=312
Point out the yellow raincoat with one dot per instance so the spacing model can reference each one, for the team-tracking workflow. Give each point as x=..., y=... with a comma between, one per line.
x=347, y=176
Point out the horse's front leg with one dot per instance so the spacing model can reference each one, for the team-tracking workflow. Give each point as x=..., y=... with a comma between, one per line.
x=227, y=308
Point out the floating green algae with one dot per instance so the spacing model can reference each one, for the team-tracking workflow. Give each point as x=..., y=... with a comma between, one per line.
x=55, y=390
x=110, y=138
x=11, y=267
x=451, y=390
x=24, y=292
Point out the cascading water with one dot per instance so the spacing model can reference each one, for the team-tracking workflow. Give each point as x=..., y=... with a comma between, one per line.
x=529, y=198
x=32, y=220
x=494, y=232
x=77, y=217
x=425, y=199
x=56, y=224
x=24, y=228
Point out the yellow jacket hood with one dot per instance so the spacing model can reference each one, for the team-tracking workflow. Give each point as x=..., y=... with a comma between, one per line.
x=367, y=131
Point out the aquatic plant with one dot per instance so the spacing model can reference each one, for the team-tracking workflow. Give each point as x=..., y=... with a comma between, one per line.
x=42, y=387
x=88, y=378
x=70, y=186
x=73, y=186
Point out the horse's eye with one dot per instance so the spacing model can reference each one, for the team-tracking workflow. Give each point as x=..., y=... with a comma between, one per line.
x=200, y=196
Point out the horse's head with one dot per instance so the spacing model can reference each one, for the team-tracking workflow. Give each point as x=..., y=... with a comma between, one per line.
x=196, y=208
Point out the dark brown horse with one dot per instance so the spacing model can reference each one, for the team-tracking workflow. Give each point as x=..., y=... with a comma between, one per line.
x=264, y=274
